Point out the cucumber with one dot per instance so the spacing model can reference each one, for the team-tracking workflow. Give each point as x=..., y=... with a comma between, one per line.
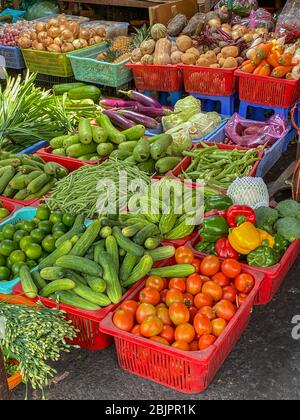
x=114, y=135
x=28, y=285
x=85, y=92
x=38, y=183
x=113, y=250
x=139, y=272
x=105, y=149
x=134, y=133
x=130, y=231
x=152, y=243
x=32, y=176
x=52, y=273
x=77, y=278
x=21, y=195
x=62, y=250
x=85, y=131
x=179, y=270
x=160, y=146
x=128, y=146
x=141, y=152
x=61, y=89
x=113, y=286
x=105, y=232
x=6, y=178
x=38, y=281
x=19, y=182
x=129, y=262
x=71, y=140
x=166, y=164
x=77, y=150
x=162, y=253
x=122, y=252
x=9, y=192
x=87, y=239
x=58, y=142
x=82, y=265
x=14, y=162
x=97, y=284
x=99, y=135
x=71, y=299
x=45, y=190
x=57, y=286
x=127, y=244
x=147, y=232
x=88, y=294
x=98, y=251
x=77, y=229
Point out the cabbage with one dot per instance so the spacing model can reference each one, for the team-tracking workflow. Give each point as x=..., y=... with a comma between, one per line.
x=190, y=103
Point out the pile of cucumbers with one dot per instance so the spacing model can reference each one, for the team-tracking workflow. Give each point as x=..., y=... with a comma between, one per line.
x=26, y=177
x=92, y=270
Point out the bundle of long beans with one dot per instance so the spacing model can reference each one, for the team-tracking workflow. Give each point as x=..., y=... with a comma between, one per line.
x=219, y=168
x=82, y=193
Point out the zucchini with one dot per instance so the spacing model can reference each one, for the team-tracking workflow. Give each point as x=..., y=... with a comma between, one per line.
x=128, y=146
x=77, y=150
x=160, y=146
x=38, y=281
x=113, y=250
x=139, y=272
x=99, y=135
x=127, y=244
x=88, y=294
x=77, y=229
x=113, y=286
x=28, y=285
x=120, y=154
x=85, y=131
x=162, y=253
x=62, y=88
x=134, y=133
x=130, y=261
x=71, y=299
x=38, y=183
x=71, y=140
x=85, y=92
x=58, y=142
x=62, y=250
x=57, y=286
x=45, y=190
x=166, y=164
x=82, y=265
x=152, y=243
x=179, y=270
x=97, y=284
x=6, y=178
x=52, y=273
x=87, y=239
x=114, y=135
x=105, y=149
x=141, y=152
x=147, y=232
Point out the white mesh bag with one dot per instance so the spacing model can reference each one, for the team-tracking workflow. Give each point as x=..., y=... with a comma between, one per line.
x=249, y=191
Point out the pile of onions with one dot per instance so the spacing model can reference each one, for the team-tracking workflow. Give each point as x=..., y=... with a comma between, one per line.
x=9, y=33
x=60, y=35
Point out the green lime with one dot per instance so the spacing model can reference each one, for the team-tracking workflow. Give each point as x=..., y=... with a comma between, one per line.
x=19, y=234
x=29, y=225
x=55, y=217
x=36, y=221
x=68, y=219
x=8, y=231
x=48, y=244
x=16, y=267
x=4, y=213
x=38, y=235
x=8, y=263
x=2, y=260
x=27, y=240
x=31, y=264
x=43, y=212
x=45, y=226
x=19, y=225
x=4, y=273
x=7, y=247
x=59, y=227
x=56, y=235
x=33, y=251
x=17, y=256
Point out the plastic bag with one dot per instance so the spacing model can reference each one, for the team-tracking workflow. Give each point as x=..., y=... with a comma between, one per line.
x=248, y=133
x=41, y=9
x=16, y=14
x=261, y=18
x=205, y=123
x=288, y=24
x=241, y=8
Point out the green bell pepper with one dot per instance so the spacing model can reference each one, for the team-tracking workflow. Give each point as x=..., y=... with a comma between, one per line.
x=263, y=256
x=206, y=248
x=218, y=202
x=281, y=244
x=214, y=228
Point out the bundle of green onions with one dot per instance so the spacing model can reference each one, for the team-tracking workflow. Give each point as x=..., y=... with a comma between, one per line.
x=29, y=114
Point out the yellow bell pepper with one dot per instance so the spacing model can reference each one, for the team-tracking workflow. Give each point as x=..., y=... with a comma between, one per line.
x=245, y=238
x=265, y=236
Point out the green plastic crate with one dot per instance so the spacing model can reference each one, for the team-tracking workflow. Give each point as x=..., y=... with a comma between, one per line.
x=44, y=62
x=87, y=69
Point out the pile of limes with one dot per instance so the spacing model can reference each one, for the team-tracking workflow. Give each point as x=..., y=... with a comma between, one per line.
x=3, y=212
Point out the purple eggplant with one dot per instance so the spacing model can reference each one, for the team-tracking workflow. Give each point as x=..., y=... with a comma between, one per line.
x=118, y=120
x=147, y=122
x=152, y=112
x=117, y=103
x=141, y=98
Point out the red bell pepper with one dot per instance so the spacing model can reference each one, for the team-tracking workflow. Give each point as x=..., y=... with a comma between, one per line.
x=236, y=215
x=225, y=250
x=222, y=213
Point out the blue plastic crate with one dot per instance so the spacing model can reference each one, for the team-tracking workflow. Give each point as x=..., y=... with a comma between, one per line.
x=16, y=14
x=34, y=148
x=13, y=57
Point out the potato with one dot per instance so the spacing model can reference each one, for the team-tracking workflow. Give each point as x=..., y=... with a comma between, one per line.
x=203, y=62
x=230, y=63
x=184, y=43
x=176, y=57
x=189, y=59
x=228, y=52
x=194, y=51
x=248, y=38
x=221, y=61
x=211, y=57
x=215, y=66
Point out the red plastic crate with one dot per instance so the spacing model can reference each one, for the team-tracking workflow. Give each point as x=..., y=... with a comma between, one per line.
x=156, y=78
x=46, y=154
x=181, y=242
x=10, y=206
x=187, y=372
x=208, y=81
x=269, y=91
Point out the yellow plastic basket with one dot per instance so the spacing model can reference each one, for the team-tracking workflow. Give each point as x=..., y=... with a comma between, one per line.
x=44, y=62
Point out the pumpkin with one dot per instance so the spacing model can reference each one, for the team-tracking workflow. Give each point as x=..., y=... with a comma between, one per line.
x=158, y=31
x=147, y=60
x=162, y=55
x=176, y=57
x=147, y=47
x=184, y=43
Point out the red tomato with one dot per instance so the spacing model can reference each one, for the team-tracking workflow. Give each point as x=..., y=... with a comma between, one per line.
x=136, y=330
x=194, y=284
x=202, y=299
x=208, y=311
x=178, y=283
x=179, y=313
x=174, y=296
x=163, y=295
x=151, y=326
x=160, y=340
x=194, y=346
x=181, y=345
x=242, y=297
x=229, y=293
x=184, y=255
x=149, y=295
x=143, y=311
x=231, y=268
x=213, y=289
x=202, y=325
x=206, y=341
x=185, y=332
x=221, y=279
x=244, y=283
x=130, y=306
x=155, y=282
x=168, y=333
x=225, y=309
x=197, y=265
x=163, y=315
x=123, y=320
x=218, y=326
x=160, y=306
x=205, y=279
x=188, y=300
x=210, y=266
x=193, y=312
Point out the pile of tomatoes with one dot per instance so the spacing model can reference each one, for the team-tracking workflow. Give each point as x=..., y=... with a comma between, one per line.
x=187, y=313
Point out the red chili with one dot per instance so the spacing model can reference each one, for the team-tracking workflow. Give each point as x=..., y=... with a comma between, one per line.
x=222, y=213
x=225, y=250
x=236, y=215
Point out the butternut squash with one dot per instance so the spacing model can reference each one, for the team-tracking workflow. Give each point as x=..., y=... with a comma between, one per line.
x=162, y=55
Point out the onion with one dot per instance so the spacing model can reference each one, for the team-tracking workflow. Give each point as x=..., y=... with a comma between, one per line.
x=214, y=23
x=47, y=41
x=24, y=42
x=62, y=21
x=92, y=32
x=53, y=22
x=77, y=44
x=67, y=35
x=84, y=34
x=98, y=39
x=38, y=46
x=57, y=41
x=63, y=28
x=54, y=32
x=92, y=42
x=68, y=47
x=101, y=32
x=74, y=28
x=33, y=36
x=26, y=34
x=54, y=48
x=42, y=36
x=40, y=27
x=84, y=43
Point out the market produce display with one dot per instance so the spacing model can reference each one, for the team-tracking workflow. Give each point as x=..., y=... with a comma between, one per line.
x=10, y=32
x=28, y=177
x=187, y=306
x=4, y=212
